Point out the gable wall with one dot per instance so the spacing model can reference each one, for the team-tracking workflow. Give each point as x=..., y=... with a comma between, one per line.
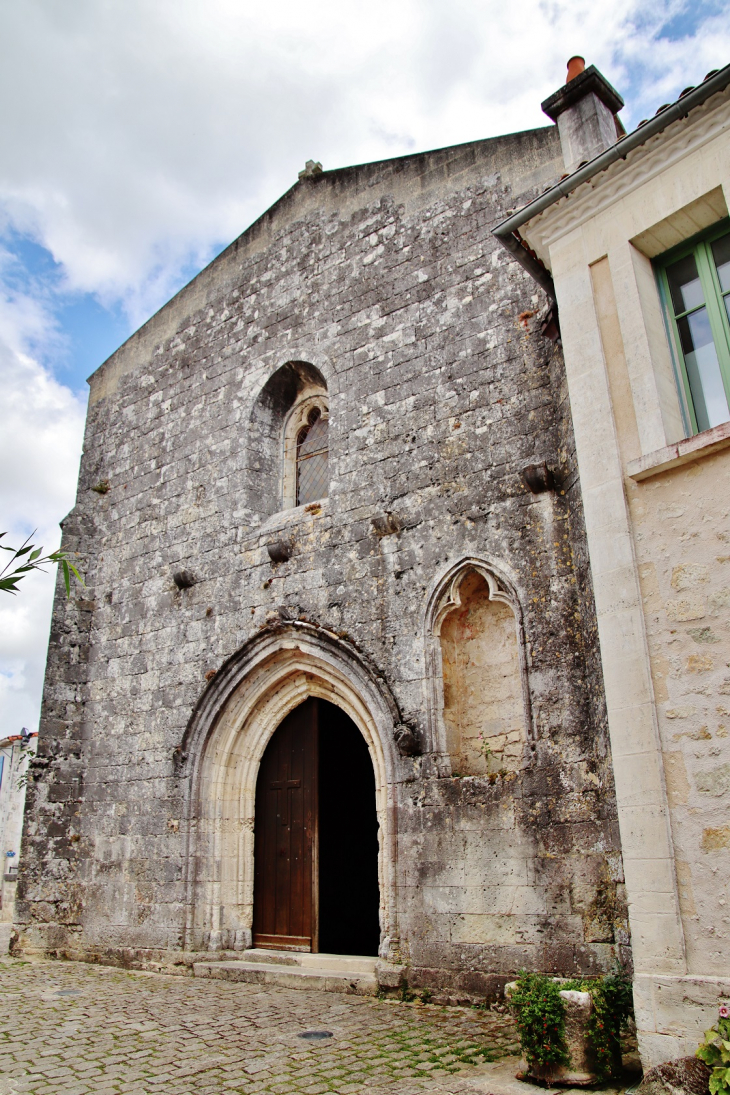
x=386, y=278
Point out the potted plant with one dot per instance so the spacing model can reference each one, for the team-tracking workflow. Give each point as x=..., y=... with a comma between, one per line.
x=570, y=1030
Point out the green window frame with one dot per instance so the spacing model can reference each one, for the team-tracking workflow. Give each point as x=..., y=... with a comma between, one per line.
x=694, y=285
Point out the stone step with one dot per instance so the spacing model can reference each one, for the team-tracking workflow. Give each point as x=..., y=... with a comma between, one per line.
x=293, y=976
x=346, y=963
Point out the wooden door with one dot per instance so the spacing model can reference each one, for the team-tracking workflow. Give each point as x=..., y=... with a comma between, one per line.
x=285, y=836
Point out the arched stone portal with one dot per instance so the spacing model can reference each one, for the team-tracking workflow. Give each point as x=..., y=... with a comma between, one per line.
x=223, y=747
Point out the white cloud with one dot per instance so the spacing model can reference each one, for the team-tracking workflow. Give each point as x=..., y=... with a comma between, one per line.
x=41, y=425
x=137, y=136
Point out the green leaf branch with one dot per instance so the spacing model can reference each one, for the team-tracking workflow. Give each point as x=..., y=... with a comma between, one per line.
x=540, y=1015
x=28, y=557
x=715, y=1052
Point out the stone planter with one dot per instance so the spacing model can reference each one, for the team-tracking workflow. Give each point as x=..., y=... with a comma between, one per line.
x=581, y=1072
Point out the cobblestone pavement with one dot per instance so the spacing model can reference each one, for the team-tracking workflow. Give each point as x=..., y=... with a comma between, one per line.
x=68, y=1028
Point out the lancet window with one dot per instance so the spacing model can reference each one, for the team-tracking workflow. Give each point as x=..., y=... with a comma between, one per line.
x=312, y=458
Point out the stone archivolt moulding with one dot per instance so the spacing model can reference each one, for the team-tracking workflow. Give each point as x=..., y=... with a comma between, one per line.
x=221, y=752
x=443, y=599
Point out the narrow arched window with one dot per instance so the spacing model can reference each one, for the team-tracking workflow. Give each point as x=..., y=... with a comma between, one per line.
x=312, y=458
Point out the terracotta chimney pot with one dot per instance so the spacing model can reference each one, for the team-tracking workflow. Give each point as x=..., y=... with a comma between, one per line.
x=576, y=65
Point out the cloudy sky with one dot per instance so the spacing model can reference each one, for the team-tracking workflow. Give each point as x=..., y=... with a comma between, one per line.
x=139, y=137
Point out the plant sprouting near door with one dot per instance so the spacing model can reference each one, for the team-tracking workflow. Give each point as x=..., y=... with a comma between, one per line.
x=28, y=558
x=484, y=749
x=715, y=1052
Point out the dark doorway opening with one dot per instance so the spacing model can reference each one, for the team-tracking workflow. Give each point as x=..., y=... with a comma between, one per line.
x=348, y=838
x=316, y=836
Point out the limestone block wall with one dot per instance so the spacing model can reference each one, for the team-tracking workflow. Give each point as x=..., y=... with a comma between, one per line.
x=385, y=281
x=682, y=524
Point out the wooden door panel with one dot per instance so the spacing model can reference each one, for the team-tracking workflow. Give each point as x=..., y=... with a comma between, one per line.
x=285, y=835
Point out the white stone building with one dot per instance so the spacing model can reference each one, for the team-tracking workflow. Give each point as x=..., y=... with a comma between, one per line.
x=420, y=570
x=15, y=752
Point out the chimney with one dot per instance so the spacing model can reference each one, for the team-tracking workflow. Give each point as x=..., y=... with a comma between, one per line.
x=585, y=109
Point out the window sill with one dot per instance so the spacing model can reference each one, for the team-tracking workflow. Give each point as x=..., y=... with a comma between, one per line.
x=292, y=515
x=282, y=523
x=284, y=519
x=681, y=452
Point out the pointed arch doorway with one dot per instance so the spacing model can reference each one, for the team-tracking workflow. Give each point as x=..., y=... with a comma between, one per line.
x=316, y=836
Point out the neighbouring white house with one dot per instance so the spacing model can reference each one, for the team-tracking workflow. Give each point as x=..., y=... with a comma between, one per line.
x=634, y=246
x=15, y=752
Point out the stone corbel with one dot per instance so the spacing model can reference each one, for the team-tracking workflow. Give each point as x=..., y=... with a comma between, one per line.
x=408, y=740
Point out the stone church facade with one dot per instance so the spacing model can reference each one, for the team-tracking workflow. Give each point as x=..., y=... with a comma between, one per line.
x=335, y=480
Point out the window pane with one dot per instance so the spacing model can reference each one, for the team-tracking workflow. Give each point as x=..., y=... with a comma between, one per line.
x=721, y=255
x=684, y=283
x=313, y=479
x=312, y=453
x=703, y=370
x=315, y=438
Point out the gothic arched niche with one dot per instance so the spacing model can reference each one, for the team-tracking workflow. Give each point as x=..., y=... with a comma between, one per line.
x=294, y=386
x=483, y=699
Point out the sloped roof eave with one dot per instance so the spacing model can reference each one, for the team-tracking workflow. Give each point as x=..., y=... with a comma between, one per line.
x=507, y=232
